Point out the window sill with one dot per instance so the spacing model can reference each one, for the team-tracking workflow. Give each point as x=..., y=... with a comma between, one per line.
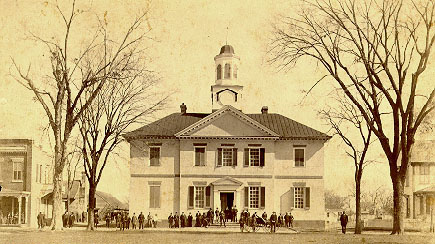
x=154, y=165
x=17, y=181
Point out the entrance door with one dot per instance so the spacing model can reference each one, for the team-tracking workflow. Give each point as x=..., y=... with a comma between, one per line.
x=227, y=200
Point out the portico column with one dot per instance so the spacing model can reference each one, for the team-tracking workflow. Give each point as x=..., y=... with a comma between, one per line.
x=26, y=209
x=216, y=200
x=19, y=209
x=13, y=206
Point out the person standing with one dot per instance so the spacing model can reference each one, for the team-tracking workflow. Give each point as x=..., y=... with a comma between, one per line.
x=291, y=220
x=264, y=215
x=273, y=219
x=170, y=220
x=141, y=220
x=286, y=220
x=235, y=214
x=222, y=218
x=343, y=220
x=40, y=220
x=134, y=221
x=108, y=217
x=177, y=220
x=183, y=220
x=189, y=220
x=217, y=214
x=128, y=221
x=95, y=219
x=149, y=220
x=280, y=220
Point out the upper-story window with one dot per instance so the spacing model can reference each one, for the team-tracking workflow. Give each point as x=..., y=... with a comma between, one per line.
x=424, y=174
x=154, y=156
x=227, y=71
x=219, y=72
x=254, y=157
x=227, y=157
x=18, y=166
x=299, y=157
x=199, y=156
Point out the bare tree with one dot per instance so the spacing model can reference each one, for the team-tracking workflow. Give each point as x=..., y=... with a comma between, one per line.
x=73, y=164
x=343, y=119
x=373, y=50
x=126, y=100
x=333, y=200
x=74, y=72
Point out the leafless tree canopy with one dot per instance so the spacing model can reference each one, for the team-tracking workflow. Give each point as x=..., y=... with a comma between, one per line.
x=375, y=50
x=78, y=74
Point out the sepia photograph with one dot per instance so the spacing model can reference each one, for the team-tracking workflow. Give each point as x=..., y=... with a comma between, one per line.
x=232, y=121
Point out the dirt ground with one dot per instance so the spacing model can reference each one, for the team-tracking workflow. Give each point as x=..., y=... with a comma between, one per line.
x=31, y=236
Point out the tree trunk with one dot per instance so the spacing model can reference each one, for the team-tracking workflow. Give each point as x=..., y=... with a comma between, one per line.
x=92, y=205
x=56, y=222
x=398, y=212
x=358, y=227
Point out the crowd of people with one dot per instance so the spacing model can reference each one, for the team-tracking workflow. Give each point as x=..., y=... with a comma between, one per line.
x=11, y=218
x=124, y=221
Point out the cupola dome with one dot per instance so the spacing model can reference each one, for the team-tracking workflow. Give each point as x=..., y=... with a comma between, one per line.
x=227, y=49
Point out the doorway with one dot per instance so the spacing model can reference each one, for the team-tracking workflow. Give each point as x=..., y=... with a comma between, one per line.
x=227, y=200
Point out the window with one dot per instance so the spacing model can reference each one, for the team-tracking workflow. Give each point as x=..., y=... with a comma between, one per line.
x=299, y=197
x=219, y=72
x=199, y=196
x=299, y=157
x=254, y=197
x=154, y=196
x=39, y=173
x=227, y=71
x=154, y=156
x=199, y=156
x=235, y=72
x=18, y=168
x=227, y=157
x=254, y=157
x=424, y=174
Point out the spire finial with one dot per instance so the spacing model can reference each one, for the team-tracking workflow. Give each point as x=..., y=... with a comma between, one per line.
x=226, y=38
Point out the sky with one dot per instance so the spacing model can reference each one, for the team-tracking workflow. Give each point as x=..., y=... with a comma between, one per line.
x=186, y=35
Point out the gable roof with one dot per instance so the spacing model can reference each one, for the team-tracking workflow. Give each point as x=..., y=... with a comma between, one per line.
x=221, y=112
x=170, y=125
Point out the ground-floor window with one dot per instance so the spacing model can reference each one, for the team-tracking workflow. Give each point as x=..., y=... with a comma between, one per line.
x=254, y=197
x=154, y=196
x=199, y=196
x=301, y=197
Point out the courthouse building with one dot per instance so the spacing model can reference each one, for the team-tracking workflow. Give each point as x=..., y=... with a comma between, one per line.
x=189, y=162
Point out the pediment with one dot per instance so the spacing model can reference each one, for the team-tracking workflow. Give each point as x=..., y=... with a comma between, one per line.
x=227, y=181
x=227, y=122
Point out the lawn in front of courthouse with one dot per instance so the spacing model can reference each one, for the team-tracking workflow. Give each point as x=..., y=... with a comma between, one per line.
x=79, y=236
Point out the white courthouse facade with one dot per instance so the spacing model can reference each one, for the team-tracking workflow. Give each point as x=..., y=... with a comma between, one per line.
x=189, y=162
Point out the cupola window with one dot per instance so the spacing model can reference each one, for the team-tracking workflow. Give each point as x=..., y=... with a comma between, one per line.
x=227, y=71
x=219, y=72
x=235, y=72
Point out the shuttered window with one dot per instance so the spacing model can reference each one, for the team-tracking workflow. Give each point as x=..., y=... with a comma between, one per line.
x=199, y=196
x=207, y=196
x=199, y=156
x=300, y=197
x=154, y=196
x=154, y=156
x=226, y=157
x=255, y=197
x=191, y=191
x=254, y=157
x=299, y=157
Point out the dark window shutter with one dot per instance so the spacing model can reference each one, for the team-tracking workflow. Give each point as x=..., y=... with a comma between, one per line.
x=234, y=156
x=307, y=197
x=246, y=163
x=292, y=197
x=207, y=196
x=219, y=157
x=262, y=151
x=246, y=197
x=191, y=191
x=262, y=197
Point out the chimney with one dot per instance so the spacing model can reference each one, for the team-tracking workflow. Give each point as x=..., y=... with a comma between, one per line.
x=183, y=108
x=264, y=110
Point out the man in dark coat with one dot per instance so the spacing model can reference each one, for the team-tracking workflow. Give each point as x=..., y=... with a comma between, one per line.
x=40, y=220
x=234, y=212
x=197, y=219
x=343, y=220
x=108, y=218
x=141, y=219
x=177, y=220
x=291, y=220
x=189, y=220
x=183, y=220
x=170, y=221
x=286, y=220
x=273, y=219
x=222, y=218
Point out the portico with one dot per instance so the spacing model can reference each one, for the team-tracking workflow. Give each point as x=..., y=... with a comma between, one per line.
x=14, y=204
x=226, y=193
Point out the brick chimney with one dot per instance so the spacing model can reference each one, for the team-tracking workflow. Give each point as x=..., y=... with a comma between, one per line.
x=264, y=110
x=183, y=108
